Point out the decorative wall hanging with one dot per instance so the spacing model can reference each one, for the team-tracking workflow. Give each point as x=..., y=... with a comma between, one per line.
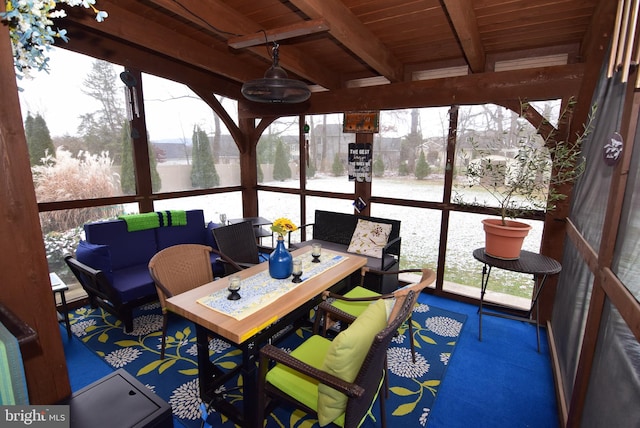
x=361, y=122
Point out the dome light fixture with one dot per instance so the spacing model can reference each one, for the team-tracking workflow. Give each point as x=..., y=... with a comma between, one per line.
x=276, y=87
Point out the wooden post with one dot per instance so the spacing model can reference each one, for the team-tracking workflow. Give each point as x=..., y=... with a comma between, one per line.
x=24, y=275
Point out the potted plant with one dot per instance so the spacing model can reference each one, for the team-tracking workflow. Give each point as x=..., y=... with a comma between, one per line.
x=527, y=181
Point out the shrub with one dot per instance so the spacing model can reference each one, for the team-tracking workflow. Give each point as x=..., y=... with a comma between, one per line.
x=378, y=167
x=66, y=178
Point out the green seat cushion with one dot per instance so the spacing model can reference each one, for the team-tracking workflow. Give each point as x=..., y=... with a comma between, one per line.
x=345, y=356
x=355, y=308
x=304, y=389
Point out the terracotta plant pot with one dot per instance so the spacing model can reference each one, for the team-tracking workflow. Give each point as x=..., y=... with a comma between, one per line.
x=504, y=242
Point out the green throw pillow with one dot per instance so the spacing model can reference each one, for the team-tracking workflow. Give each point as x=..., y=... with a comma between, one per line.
x=345, y=357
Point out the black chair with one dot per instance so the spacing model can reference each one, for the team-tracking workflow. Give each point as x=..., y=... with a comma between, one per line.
x=237, y=242
x=308, y=362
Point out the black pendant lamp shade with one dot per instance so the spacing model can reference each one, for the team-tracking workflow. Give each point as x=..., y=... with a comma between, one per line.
x=276, y=87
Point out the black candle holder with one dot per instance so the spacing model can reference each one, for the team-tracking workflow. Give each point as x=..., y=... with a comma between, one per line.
x=316, y=258
x=233, y=295
x=296, y=277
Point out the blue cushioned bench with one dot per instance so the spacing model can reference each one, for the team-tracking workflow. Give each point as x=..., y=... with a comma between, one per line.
x=112, y=263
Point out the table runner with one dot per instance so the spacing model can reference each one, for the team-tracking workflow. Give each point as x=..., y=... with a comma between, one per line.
x=260, y=290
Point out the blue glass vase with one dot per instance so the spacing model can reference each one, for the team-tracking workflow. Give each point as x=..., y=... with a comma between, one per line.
x=280, y=261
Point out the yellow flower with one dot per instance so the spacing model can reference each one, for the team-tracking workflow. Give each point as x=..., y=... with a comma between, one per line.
x=282, y=226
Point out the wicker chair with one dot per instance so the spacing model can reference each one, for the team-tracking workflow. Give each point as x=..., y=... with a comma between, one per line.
x=237, y=242
x=178, y=269
x=313, y=376
x=345, y=308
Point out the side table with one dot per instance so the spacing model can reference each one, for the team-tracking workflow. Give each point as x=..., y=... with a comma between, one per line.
x=531, y=263
x=58, y=286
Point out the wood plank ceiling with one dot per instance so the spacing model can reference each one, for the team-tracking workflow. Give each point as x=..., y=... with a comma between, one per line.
x=335, y=44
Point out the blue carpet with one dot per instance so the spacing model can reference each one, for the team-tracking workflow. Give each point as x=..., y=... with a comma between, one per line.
x=499, y=382
x=413, y=386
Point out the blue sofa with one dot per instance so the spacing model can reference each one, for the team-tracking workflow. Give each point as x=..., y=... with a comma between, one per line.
x=112, y=263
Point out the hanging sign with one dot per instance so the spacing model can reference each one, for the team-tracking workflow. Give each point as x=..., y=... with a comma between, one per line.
x=612, y=150
x=359, y=167
x=365, y=122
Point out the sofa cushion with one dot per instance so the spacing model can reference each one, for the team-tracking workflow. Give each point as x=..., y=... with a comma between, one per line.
x=96, y=256
x=194, y=232
x=126, y=248
x=133, y=282
x=369, y=238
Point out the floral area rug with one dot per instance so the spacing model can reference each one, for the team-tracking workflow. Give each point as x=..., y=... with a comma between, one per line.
x=413, y=387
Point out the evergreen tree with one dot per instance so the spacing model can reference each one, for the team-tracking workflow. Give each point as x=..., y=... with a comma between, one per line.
x=281, y=169
x=127, y=174
x=422, y=167
x=127, y=170
x=156, y=181
x=203, y=169
x=260, y=173
x=38, y=139
x=403, y=169
x=311, y=170
x=337, y=168
x=378, y=167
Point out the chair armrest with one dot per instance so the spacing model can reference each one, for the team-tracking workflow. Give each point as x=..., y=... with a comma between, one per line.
x=227, y=259
x=265, y=249
x=391, y=243
x=300, y=228
x=272, y=353
x=326, y=308
x=93, y=280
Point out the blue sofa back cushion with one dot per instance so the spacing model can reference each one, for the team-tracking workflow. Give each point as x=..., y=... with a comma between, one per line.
x=126, y=248
x=96, y=256
x=193, y=232
x=133, y=282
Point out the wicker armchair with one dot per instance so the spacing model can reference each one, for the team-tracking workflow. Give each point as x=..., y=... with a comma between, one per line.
x=312, y=375
x=178, y=269
x=237, y=242
x=345, y=308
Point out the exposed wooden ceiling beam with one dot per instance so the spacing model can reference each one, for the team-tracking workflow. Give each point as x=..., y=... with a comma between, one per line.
x=352, y=33
x=135, y=29
x=465, y=26
x=532, y=84
x=216, y=14
x=277, y=34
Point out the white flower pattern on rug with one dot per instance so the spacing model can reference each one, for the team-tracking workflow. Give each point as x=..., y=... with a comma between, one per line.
x=185, y=400
x=444, y=326
x=123, y=356
x=400, y=363
x=175, y=377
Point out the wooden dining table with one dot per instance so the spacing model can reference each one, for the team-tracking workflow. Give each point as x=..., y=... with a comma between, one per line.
x=262, y=319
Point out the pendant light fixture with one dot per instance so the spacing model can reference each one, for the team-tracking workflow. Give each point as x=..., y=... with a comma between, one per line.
x=276, y=87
